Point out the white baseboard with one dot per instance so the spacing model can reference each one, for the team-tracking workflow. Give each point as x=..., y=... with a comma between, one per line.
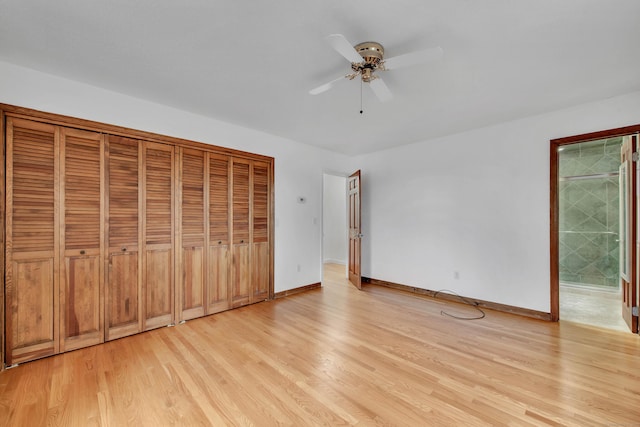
x=335, y=261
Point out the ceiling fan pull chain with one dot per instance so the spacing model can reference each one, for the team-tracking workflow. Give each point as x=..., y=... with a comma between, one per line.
x=360, y=96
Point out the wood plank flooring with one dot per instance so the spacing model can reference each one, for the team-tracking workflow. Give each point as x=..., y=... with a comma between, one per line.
x=338, y=356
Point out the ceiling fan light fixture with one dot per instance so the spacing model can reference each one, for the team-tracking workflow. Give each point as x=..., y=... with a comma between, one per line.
x=366, y=75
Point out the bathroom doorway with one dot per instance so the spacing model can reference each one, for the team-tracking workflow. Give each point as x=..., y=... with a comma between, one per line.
x=586, y=238
x=589, y=240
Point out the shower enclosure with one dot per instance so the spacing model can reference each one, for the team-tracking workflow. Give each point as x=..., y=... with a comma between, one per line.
x=589, y=213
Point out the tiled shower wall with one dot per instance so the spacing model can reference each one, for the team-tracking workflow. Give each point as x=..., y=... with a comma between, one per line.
x=589, y=247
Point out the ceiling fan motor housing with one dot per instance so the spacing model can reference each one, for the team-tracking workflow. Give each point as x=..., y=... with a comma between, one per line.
x=372, y=53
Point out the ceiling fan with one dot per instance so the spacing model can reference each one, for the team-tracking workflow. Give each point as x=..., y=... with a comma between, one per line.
x=368, y=57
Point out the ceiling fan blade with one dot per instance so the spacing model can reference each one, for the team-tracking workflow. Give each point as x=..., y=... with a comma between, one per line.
x=414, y=58
x=325, y=87
x=344, y=48
x=380, y=89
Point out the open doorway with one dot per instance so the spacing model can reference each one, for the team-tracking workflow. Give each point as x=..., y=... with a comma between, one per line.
x=591, y=198
x=589, y=240
x=335, y=239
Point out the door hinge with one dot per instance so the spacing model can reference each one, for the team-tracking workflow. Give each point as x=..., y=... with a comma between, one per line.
x=634, y=311
x=635, y=156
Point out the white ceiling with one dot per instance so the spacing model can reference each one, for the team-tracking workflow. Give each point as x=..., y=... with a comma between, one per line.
x=252, y=63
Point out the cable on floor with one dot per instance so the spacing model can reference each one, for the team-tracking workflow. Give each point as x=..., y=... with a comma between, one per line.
x=474, y=304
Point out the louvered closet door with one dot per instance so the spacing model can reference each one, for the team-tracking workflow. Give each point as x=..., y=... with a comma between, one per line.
x=219, y=232
x=81, y=224
x=32, y=245
x=241, y=255
x=260, y=263
x=193, y=233
x=158, y=196
x=123, y=307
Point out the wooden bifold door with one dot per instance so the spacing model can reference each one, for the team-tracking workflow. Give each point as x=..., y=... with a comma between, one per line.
x=224, y=233
x=250, y=244
x=204, y=258
x=54, y=277
x=109, y=235
x=123, y=314
x=81, y=245
x=32, y=243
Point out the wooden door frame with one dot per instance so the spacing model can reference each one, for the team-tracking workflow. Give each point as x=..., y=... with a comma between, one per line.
x=554, y=235
x=356, y=254
x=629, y=284
x=2, y=232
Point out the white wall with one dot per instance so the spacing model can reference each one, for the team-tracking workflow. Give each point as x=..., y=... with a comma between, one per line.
x=334, y=219
x=475, y=203
x=298, y=167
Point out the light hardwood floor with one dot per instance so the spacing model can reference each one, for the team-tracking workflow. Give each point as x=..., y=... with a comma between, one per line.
x=338, y=356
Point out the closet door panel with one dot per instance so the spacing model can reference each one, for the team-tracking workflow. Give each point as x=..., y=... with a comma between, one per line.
x=219, y=231
x=122, y=295
x=241, y=201
x=260, y=211
x=158, y=286
x=32, y=243
x=241, y=272
x=241, y=208
x=159, y=294
x=218, y=279
x=32, y=311
x=123, y=316
x=260, y=271
x=193, y=233
x=219, y=199
x=82, y=313
x=192, y=283
x=81, y=303
x=260, y=232
x=123, y=193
